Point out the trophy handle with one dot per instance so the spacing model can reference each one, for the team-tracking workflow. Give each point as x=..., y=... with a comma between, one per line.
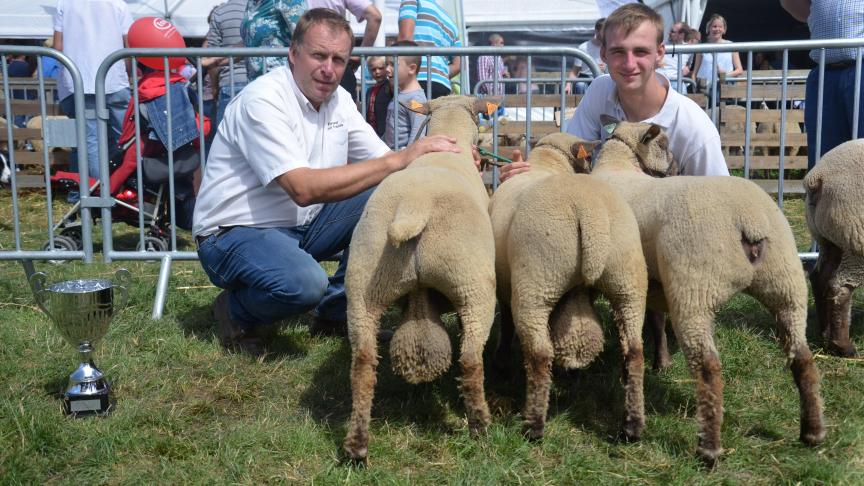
x=122, y=279
x=40, y=293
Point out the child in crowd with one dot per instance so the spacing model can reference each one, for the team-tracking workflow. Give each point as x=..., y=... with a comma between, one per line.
x=406, y=123
x=379, y=95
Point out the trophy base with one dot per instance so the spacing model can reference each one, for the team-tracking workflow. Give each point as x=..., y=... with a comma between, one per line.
x=87, y=405
x=88, y=398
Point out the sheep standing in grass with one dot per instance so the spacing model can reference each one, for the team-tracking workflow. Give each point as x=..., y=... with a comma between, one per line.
x=706, y=239
x=556, y=231
x=425, y=231
x=835, y=215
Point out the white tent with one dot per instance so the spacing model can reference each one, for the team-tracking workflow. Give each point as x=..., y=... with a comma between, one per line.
x=32, y=19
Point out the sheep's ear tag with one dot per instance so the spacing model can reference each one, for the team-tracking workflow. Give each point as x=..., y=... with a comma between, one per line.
x=609, y=123
x=491, y=108
x=581, y=152
x=417, y=107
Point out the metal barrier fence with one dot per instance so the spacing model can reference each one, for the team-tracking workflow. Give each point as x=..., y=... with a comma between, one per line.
x=167, y=253
x=55, y=133
x=172, y=252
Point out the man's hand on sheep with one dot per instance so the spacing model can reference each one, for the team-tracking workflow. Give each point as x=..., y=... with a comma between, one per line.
x=432, y=143
x=518, y=166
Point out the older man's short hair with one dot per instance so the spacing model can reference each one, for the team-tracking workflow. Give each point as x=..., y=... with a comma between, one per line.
x=321, y=16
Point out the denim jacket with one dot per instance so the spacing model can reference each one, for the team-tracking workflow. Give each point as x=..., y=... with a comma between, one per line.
x=184, y=129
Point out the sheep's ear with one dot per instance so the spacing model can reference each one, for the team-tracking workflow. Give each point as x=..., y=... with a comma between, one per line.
x=652, y=133
x=487, y=106
x=609, y=123
x=812, y=190
x=416, y=107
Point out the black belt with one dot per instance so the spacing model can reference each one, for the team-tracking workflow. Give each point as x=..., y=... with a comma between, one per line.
x=840, y=65
x=200, y=239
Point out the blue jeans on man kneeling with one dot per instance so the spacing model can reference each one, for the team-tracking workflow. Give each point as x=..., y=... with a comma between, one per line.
x=274, y=273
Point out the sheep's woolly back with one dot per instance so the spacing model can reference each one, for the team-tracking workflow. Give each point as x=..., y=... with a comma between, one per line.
x=835, y=193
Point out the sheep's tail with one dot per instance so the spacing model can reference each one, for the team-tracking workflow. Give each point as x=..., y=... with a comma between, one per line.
x=754, y=231
x=409, y=220
x=593, y=231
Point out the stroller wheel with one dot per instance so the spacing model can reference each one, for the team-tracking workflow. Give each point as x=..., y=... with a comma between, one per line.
x=61, y=243
x=73, y=233
x=153, y=243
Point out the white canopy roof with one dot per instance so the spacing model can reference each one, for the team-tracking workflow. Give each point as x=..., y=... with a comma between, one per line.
x=33, y=18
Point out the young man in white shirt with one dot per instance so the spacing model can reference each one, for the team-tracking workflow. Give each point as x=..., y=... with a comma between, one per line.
x=632, y=49
x=288, y=175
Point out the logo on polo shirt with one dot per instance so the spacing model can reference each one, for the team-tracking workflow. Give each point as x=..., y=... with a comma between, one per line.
x=332, y=125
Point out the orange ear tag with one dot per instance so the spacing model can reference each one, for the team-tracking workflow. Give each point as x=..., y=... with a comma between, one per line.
x=416, y=105
x=582, y=153
x=491, y=108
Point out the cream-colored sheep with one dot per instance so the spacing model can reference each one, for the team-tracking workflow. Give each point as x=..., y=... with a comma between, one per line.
x=556, y=230
x=425, y=230
x=705, y=239
x=835, y=215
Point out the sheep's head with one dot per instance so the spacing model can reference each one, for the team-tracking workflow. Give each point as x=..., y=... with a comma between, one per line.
x=576, y=150
x=469, y=105
x=648, y=142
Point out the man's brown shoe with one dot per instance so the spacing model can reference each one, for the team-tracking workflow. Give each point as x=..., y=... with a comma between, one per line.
x=231, y=335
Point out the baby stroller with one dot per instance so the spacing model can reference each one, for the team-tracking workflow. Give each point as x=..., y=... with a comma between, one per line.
x=123, y=183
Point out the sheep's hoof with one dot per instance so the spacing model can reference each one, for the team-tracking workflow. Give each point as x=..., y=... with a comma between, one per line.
x=709, y=457
x=355, y=454
x=632, y=430
x=812, y=435
x=661, y=362
x=845, y=350
x=533, y=431
x=477, y=429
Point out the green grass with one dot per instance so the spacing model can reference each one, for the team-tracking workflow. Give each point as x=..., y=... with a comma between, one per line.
x=188, y=412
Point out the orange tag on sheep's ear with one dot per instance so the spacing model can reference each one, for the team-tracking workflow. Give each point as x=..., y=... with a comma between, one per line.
x=582, y=153
x=491, y=108
x=416, y=105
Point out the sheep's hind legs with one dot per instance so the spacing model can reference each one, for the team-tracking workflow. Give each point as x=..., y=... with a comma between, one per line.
x=538, y=353
x=704, y=363
x=833, y=300
x=790, y=325
x=629, y=324
x=501, y=361
x=476, y=324
x=364, y=360
x=656, y=322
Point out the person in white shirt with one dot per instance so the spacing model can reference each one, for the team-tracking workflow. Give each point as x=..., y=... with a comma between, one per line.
x=669, y=67
x=87, y=31
x=633, y=91
x=289, y=172
x=592, y=47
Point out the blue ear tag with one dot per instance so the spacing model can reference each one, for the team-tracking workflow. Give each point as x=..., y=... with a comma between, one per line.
x=609, y=128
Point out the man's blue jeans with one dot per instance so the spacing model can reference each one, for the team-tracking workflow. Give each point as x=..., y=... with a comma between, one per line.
x=116, y=103
x=837, y=106
x=274, y=273
x=224, y=98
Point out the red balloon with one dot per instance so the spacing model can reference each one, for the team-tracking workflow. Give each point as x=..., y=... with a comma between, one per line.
x=156, y=32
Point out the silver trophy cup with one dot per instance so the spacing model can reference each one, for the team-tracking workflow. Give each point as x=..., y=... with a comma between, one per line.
x=81, y=311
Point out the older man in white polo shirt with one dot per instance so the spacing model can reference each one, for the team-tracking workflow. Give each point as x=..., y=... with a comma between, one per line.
x=288, y=175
